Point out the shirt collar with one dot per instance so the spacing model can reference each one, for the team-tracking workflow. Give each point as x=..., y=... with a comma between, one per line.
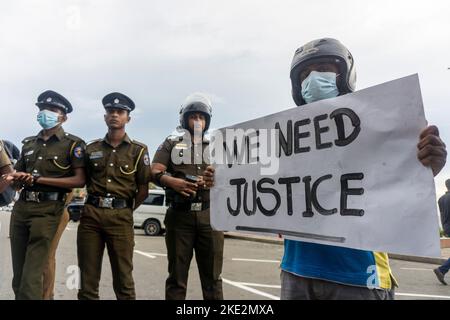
x=125, y=139
x=59, y=134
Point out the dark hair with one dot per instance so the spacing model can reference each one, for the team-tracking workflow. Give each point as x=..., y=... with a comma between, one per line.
x=447, y=184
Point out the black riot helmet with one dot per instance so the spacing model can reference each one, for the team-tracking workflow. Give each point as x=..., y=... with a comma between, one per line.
x=195, y=102
x=325, y=50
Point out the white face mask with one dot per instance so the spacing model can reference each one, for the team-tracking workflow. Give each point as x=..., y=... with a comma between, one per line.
x=318, y=86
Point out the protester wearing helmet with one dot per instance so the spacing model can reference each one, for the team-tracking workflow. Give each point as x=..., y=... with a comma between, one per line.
x=178, y=166
x=323, y=69
x=314, y=62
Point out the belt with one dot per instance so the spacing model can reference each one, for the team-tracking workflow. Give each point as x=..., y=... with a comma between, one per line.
x=189, y=206
x=109, y=202
x=38, y=196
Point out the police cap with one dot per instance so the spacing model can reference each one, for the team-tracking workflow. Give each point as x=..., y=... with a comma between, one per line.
x=118, y=101
x=54, y=99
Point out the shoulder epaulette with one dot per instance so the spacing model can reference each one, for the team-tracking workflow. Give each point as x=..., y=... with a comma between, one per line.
x=139, y=143
x=177, y=134
x=93, y=141
x=174, y=138
x=28, y=139
x=72, y=137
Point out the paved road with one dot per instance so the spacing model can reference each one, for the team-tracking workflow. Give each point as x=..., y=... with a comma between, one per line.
x=251, y=270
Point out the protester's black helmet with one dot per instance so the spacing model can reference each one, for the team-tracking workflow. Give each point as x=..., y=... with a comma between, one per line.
x=195, y=102
x=323, y=50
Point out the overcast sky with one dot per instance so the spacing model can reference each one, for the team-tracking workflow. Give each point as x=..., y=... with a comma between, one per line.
x=238, y=52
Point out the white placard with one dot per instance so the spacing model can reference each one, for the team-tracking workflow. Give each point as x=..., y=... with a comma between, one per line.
x=346, y=173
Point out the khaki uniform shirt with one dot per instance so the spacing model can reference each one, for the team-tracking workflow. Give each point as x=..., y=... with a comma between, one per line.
x=116, y=171
x=182, y=157
x=4, y=159
x=55, y=158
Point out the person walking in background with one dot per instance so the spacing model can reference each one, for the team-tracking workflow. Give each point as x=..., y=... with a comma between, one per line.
x=444, y=208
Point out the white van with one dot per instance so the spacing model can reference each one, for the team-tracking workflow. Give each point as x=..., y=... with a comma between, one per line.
x=150, y=214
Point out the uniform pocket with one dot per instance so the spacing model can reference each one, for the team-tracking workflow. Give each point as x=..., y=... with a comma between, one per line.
x=57, y=162
x=97, y=164
x=126, y=166
x=30, y=162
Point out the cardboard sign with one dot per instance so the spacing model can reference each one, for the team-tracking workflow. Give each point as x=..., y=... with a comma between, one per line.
x=341, y=171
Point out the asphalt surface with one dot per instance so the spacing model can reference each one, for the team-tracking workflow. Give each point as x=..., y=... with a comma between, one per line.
x=251, y=270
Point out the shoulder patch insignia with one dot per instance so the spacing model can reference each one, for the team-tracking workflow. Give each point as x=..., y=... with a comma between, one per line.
x=146, y=159
x=78, y=152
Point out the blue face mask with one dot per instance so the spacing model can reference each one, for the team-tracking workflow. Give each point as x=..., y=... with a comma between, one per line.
x=48, y=119
x=318, y=86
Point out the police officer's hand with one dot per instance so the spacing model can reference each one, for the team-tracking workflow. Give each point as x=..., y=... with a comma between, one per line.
x=201, y=182
x=7, y=177
x=21, y=177
x=184, y=187
x=208, y=177
x=431, y=150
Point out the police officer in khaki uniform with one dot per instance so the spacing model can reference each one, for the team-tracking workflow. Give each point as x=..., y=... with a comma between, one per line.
x=5, y=167
x=178, y=166
x=118, y=171
x=50, y=165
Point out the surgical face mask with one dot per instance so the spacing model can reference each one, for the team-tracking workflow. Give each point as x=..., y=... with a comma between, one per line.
x=318, y=86
x=48, y=119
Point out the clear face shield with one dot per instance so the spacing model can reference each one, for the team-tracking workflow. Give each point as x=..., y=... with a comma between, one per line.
x=197, y=97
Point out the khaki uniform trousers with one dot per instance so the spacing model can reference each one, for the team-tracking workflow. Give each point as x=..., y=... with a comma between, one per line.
x=113, y=228
x=187, y=232
x=32, y=228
